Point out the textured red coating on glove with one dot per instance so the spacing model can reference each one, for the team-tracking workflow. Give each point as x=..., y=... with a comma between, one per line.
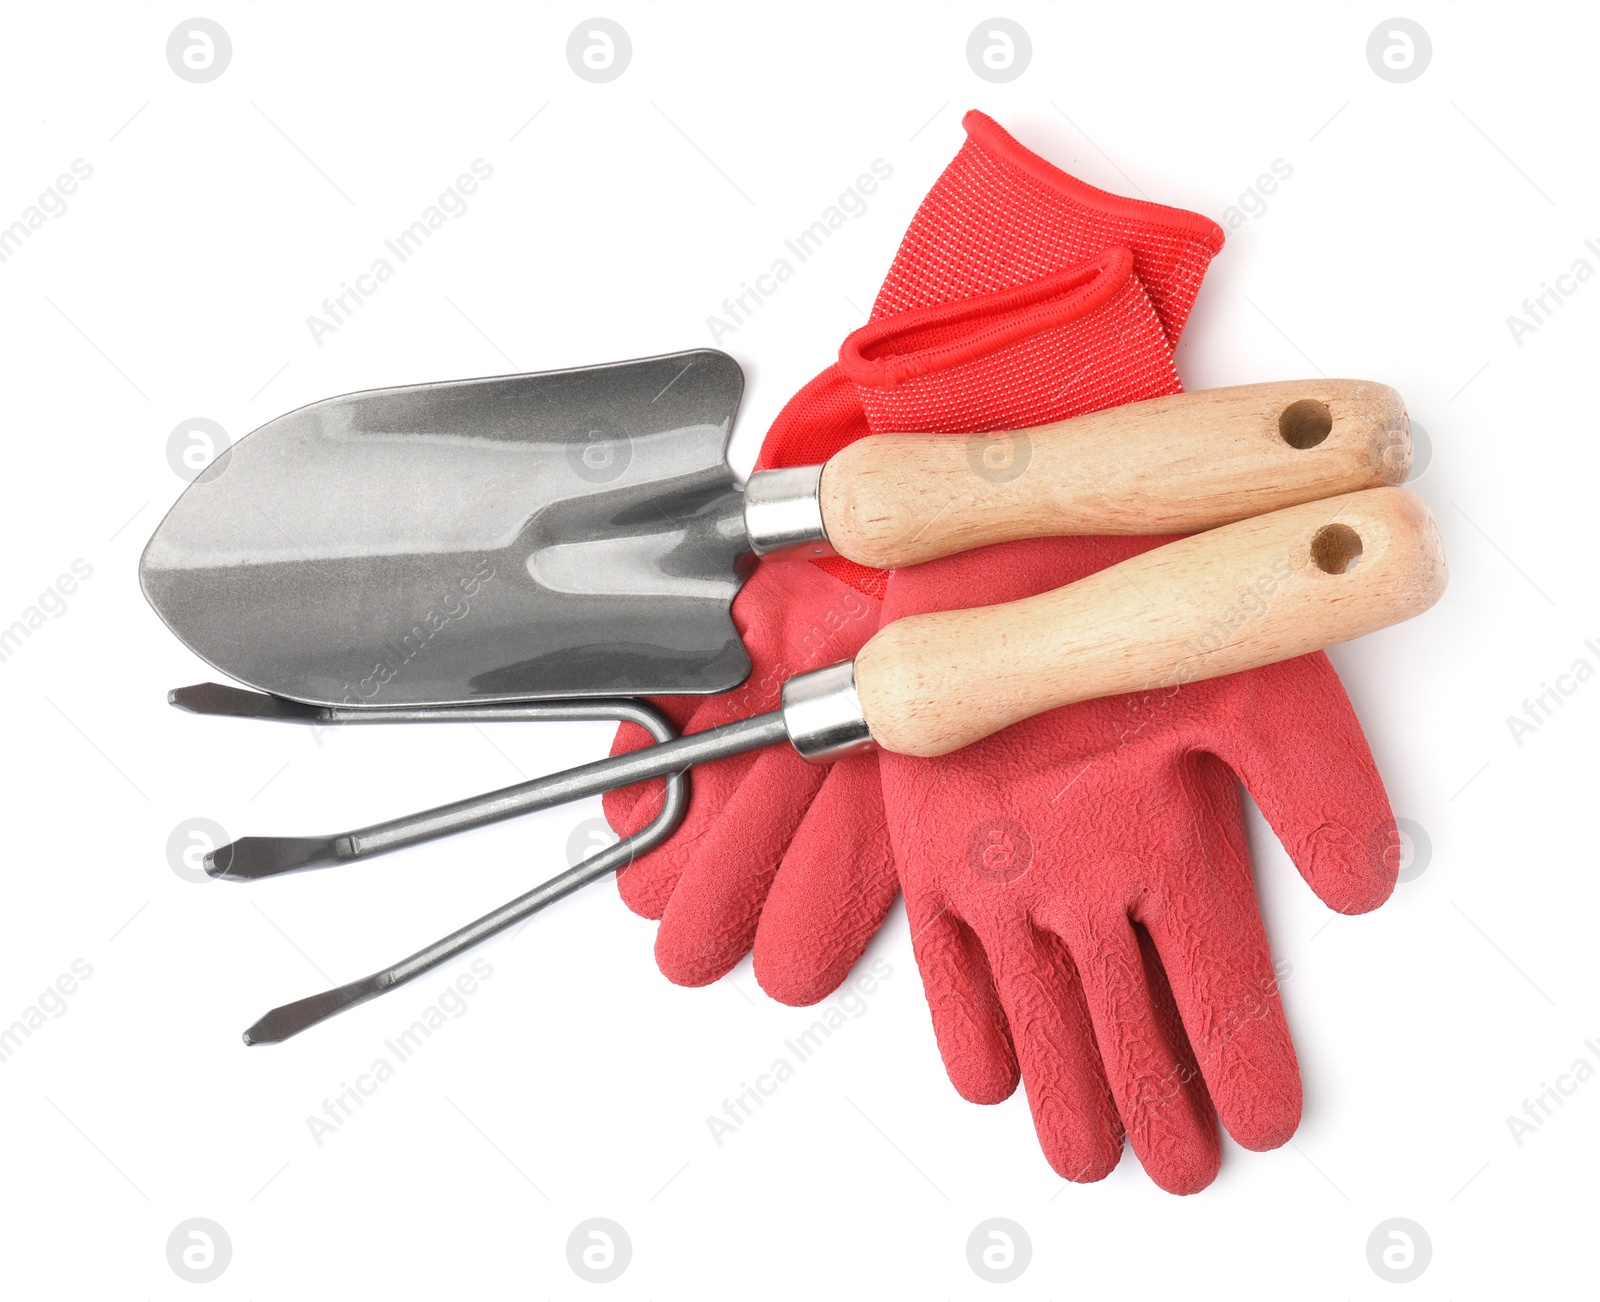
x=1079, y=890
x=749, y=813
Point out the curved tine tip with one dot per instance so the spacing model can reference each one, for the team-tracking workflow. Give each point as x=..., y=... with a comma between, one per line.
x=241, y=703
x=252, y=857
x=278, y=1024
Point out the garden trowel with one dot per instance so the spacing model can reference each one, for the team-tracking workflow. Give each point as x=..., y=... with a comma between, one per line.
x=580, y=533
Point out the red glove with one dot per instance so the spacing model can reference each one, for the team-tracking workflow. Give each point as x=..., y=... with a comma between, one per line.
x=1078, y=885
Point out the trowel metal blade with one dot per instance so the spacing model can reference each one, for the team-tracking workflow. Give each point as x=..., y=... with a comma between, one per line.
x=570, y=533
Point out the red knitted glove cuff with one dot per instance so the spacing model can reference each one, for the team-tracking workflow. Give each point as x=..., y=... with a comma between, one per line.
x=996, y=362
x=1000, y=215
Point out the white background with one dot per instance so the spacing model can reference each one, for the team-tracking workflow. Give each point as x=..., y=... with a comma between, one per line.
x=577, y=1084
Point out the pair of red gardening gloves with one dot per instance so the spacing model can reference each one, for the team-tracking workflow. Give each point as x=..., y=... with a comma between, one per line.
x=1078, y=885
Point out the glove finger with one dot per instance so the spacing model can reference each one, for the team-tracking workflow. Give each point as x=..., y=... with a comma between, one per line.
x=648, y=882
x=1305, y=760
x=1222, y=977
x=1073, y=1112
x=629, y=808
x=709, y=923
x=968, y=1022
x=832, y=891
x=791, y=617
x=1148, y=1062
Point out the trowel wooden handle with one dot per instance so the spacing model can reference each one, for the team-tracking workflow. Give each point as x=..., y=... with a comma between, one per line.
x=1179, y=464
x=1247, y=594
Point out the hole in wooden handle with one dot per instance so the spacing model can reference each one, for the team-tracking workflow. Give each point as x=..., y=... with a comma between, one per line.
x=1305, y=424
x=1336, y=549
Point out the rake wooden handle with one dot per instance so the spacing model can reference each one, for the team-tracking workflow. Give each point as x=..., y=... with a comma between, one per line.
x=1179, y=464
x=1248, y=594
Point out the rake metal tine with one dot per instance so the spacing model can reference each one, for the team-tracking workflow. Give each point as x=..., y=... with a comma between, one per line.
x=290, y=1019
x=292, y=852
